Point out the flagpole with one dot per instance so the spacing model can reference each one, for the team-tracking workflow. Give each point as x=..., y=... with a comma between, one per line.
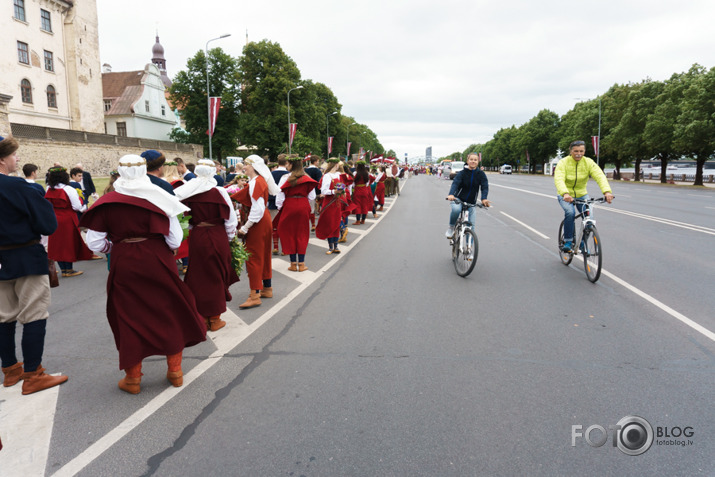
x=598, y=153
x=208, y=92
x=327, y=134
x=289, y=141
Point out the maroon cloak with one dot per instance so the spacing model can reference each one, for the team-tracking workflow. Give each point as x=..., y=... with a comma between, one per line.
x=66, y=244
x=150, y=310
x=362, y=196
x=294, y=224
x=210, y=271
x=330, y=214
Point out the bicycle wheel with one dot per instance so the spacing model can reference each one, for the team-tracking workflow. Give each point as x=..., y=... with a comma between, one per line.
x=566, y=257
x=467, y=252
x=592, y=256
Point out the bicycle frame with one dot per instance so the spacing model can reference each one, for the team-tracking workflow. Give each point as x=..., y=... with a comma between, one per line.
x=464, y=242
x=587, y=220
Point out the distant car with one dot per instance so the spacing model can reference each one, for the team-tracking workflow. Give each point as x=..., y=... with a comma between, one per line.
x=505, y=169
x=457, y=167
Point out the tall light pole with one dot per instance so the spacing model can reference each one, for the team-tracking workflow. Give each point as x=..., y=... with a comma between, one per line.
x=297, y=87
x=208, y=92
x=347, y=141
x=327, y=135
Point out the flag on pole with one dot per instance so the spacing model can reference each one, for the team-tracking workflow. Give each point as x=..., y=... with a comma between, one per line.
x=348, y=155
x=293, y=128
x=361, y=153
x=595, y=142
x=214, y=105
x=480, y=157
x=377, y=159
x=330, y=144
x=527, y=156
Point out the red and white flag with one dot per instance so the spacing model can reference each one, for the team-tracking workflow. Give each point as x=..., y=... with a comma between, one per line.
x=377, y=159
x=480, y=157
x=527, y=156
x=361, y=153
x=390, y=160
x=293, y=128
x=594, y=141
x=330, y=144
x=349, y=149
x=214, y=106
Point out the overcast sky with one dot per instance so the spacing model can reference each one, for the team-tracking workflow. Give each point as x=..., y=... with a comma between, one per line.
x=421, y=73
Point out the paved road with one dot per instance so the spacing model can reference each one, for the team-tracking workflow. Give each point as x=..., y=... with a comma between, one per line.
x=384, y=362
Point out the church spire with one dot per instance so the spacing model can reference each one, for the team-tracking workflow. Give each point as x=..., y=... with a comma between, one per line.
x=157, y=52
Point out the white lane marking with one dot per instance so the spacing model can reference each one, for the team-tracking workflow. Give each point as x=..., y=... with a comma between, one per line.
x=524, y=225
x=26, y=424
x=675, y=314
x=713, y=208
x=674, y=223
x=240, y=333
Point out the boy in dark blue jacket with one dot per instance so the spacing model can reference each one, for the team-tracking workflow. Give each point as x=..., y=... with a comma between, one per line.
x=465, y=187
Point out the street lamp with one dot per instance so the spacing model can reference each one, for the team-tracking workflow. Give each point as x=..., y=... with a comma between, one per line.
x=297, y=87
x=327, y=134
x=347, y=141
x=208, y=92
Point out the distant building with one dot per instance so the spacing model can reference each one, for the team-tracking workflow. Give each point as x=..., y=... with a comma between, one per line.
x=49, y=60
x=135, y=104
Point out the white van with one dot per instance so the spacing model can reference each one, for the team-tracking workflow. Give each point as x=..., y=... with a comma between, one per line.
x=456, y=168
x=505, y=169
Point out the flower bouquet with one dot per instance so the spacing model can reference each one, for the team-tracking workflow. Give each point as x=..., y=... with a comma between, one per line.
x=339, y=189
x=184, y=222
x=239, y=255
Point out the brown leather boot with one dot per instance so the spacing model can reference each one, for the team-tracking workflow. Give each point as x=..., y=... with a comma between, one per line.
x=302, y=267
x=267, y=292
x=174, y=374
x=254, y=300
x=130, y=385
x=380, y=209
x=13, y=374
x=214, y=323
x=293, y=267
x=39, y=381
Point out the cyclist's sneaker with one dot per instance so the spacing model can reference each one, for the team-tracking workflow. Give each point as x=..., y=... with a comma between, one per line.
x=567, y=246
x=449, y=232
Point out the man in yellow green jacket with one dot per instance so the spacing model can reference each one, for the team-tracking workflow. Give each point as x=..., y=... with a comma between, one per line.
x=570, y=177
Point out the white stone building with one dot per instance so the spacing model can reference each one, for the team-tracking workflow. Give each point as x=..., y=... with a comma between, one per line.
x=135, y=104
x=49, y=58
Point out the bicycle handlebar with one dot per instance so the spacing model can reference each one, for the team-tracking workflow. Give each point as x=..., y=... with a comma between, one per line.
x=591, y=201
x=457, y=201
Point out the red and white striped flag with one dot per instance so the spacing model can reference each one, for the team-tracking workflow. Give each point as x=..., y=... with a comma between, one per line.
x=348, y=155
x=330, y=144
x=361, y=153
x=527, y=156
x=214, y=105
x=594, y=141
x=480, y=157
x=293, y=128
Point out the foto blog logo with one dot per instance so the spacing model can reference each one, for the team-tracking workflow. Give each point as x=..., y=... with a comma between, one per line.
x=633, y=435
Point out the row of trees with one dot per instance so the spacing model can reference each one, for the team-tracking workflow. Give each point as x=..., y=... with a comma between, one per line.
x=254, y=108
x=665, y=120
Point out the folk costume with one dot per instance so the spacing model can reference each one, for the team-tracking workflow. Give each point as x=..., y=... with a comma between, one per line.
x=379, y=197
x=294, y=218
x=333, y=191
x=257, y=230
x=150, y=310
x=24, y=285
x=213, y=224
x=362, y=198
x=66, y=245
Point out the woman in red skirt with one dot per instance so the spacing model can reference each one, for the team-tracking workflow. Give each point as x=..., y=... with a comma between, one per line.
x=333, y=191
x=258, y=229
x=65, y=246
x=293, y=202
x=362, y=197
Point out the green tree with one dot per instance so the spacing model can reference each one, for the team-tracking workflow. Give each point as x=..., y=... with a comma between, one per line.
x=266, y=76
x=695, y=126
x=539, y=137
x=188, y=94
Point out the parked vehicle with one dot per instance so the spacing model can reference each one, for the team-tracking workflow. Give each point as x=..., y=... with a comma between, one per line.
x=457, y=167
x=505, y=169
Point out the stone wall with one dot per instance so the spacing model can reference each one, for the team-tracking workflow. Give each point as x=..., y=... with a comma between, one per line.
x=98, y=153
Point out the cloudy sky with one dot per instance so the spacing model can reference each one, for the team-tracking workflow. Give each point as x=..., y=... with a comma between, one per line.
x=421, y=73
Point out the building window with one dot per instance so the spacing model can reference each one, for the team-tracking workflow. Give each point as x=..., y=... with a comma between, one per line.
x=49, y=61
x=20, y=10
x=23, y=55
x=45, y=20
x=51, y=97
x=26, y=91
x=146, y=106
x=163, y=110
x=121, y=129
x=107, y=105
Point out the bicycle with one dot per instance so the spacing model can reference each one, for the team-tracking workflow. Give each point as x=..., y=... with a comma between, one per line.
x=588, y=240
x=464, y=242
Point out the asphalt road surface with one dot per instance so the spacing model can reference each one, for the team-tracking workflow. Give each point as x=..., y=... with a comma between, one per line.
x=381, y=361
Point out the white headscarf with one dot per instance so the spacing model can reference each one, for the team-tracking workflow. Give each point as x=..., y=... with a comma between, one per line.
x=205, y=172
x=134, y=182
x=262, y=169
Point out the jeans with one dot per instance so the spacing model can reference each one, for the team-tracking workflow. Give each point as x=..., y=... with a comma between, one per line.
x=456, y=210
x=569, y=214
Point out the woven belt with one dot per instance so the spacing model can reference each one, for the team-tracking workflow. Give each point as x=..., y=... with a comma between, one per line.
x=360, y=185
x=21, y=245
x=134, y=240
x=206, y=224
